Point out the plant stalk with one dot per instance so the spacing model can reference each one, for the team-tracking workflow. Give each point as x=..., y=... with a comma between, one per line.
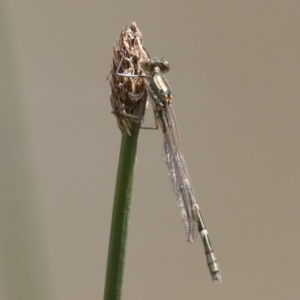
x=120, y=215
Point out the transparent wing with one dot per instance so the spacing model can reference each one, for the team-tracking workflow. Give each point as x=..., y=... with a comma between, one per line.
x=178, y=172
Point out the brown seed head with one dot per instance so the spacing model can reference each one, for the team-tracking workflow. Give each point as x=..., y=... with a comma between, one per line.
x=129, y=94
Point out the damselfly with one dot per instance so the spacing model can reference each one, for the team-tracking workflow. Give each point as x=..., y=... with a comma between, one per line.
x=161, y=99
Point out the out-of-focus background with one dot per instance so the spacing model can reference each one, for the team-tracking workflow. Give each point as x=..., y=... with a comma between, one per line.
x=235, y=78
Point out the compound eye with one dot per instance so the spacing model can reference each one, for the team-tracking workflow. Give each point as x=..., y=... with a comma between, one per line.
x=164, y=66
x=146, y=65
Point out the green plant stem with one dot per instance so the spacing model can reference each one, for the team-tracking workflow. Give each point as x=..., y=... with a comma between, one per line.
x=120, y=215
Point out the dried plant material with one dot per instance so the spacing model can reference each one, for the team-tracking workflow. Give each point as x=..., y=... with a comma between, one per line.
x=129, y=94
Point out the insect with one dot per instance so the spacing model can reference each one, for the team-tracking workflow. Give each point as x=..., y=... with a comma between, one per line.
x=161, y=96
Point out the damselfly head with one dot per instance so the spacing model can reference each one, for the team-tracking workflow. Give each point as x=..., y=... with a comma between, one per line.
x=155, y=65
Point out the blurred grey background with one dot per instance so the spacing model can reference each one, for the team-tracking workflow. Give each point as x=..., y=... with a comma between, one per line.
x=235, y=70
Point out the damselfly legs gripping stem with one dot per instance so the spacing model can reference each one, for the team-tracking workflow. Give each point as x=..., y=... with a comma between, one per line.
x=160, y=96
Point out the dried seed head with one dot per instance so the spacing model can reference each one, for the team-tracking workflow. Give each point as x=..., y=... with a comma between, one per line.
x=129, y=94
